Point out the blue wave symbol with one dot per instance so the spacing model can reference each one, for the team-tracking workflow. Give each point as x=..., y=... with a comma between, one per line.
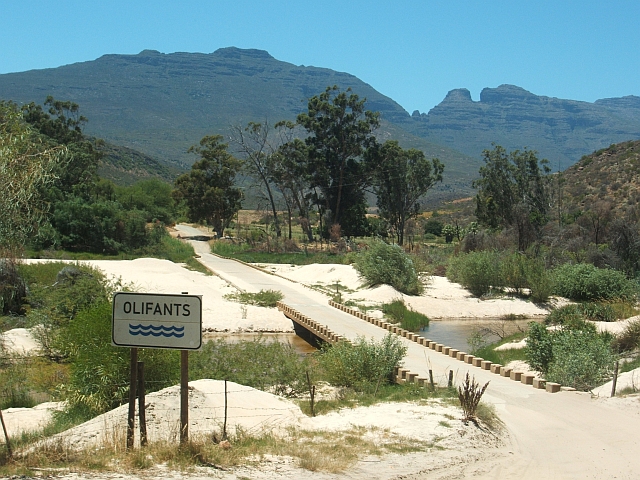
x=156, y=330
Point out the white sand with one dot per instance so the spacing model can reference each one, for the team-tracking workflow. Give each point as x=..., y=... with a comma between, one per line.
x=218, y=314
x=467, y=449
x=441, y=299
x=20, y=341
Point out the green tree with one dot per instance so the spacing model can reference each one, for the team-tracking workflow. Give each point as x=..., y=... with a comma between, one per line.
x=402, y=177
x=62, y=124
x=256, y=146
x=513, y=191
x=388, y=264
x=339, y=132
x=289, y=168
x=27, y=166
x=152, y=196
x=208, y=190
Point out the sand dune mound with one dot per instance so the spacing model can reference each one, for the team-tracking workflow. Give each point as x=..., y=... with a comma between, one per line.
x=249, y=410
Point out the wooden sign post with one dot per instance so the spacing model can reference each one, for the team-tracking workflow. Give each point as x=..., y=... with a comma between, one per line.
x=143, y=320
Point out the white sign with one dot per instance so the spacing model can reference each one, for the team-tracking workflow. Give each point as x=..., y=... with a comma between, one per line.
x=147, y=320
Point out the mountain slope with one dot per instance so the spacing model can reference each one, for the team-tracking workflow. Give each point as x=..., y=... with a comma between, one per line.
x=607, y=179
x=161, y=104
x=560, y=130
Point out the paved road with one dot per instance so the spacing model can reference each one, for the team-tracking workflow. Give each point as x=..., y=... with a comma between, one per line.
x=563, y=435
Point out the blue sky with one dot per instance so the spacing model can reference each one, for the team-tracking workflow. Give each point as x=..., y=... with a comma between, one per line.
x=411, y=51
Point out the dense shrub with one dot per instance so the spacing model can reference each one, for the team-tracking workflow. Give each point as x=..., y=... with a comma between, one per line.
x=539, y=352
x=575, y=356
x=388, y=264
x=364, y=364
x=539, y=281
x=272, y=366
x=629, y=339
x=13, y=288
x=582, y=359
x=99, y=377
x=514, y=271
x=477, y=271
x=585, y=282
x=433, y=226
x=263, y=298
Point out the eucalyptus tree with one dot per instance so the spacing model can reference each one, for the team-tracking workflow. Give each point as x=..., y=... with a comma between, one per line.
x=256, y=144
x=209, y=190
x=339, y=132
x=289, y=168
x=27, y=165
x=402, y=177
x=513, y=191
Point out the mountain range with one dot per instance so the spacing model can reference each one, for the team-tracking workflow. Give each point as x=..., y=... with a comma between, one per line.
x=161, y=104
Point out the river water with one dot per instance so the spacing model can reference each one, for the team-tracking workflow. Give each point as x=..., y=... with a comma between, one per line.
x=451, y=332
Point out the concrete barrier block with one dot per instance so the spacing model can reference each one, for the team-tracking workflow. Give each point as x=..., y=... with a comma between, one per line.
x=411, y=377
x=432, y=345
x=477, y=361
x=505, y=371
x=468, y=359
x=552, y=387
x=527, y=378
x=485, y=365
x=460, y=355
x=421, y=381
x=453, y=353
x=402, y=373
x=446, y=350
x=439, y=347
x=516, y=376
x=427, y=341
x=495, y=368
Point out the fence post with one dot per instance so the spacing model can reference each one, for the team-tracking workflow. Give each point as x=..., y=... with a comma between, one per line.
x=450, y=384
x=184, y=396
x=131, y=419
x=141, y=405
x=615, y=378
x=6, y=436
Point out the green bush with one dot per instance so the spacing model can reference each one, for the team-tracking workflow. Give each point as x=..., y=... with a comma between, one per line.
x=408, y=319
x=575, y=356
x=538, y=280
x=629, y=339
x=539, y=351
x=363, y=365
x=567, y=314
x=582, y=359
x=585, y=282
x=388, y=264
x=479, y=272
x=99, y=376
x=514, y=271
x=272, y=366
x=13, y=288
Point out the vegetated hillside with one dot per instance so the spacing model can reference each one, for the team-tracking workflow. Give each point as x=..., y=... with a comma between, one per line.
x=125, y=166
x=607, y=182
x=560, y=130
x=162, y=104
